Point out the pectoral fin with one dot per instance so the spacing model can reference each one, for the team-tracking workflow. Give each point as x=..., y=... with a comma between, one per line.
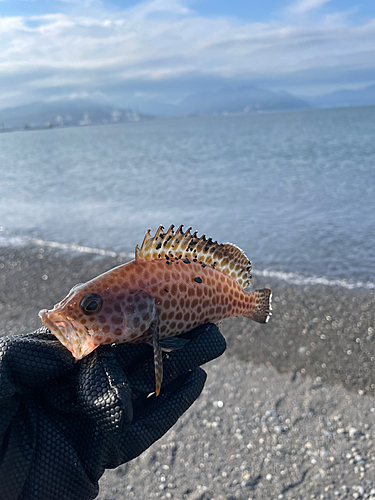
x=158, y=357
x=173, y=344
x=219, y=324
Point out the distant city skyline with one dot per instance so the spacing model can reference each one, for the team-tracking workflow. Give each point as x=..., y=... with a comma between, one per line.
x=129, y=53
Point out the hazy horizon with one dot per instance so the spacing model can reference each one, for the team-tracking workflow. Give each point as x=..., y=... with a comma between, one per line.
x=128, y=53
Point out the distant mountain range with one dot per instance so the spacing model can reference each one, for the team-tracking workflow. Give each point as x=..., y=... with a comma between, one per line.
x=252, y=99
x=343, y=98
x=65, y=113
x=242, y=100
x=245, y=99
x=84, y=112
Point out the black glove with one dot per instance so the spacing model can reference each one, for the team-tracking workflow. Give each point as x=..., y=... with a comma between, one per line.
x=62, y=423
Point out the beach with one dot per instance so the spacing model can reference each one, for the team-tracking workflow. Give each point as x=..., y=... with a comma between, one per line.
x=288, y=412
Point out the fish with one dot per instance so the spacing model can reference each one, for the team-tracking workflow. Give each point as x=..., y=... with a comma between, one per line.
x=176, y=282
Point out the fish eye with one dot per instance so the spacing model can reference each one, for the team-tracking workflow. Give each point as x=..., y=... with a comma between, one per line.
x=91, y=303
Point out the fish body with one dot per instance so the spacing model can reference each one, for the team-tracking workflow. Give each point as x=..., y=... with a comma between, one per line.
x=176, y=282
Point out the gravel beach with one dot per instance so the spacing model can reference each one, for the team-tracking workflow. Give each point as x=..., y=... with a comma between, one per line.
x=288, y=412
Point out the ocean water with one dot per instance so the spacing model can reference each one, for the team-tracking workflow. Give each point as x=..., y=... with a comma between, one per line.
x=296, y=190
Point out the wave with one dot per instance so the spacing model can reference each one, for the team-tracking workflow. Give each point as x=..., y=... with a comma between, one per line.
x=289, y=277
x=16, y=241
x=80, y=248
x=298, y=279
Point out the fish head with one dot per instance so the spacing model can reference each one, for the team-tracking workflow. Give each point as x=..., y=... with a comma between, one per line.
x=83, y=320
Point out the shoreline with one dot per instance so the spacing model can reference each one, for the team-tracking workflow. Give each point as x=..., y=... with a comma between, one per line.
x=315, y=330
x=291, y=278
x=312, y=365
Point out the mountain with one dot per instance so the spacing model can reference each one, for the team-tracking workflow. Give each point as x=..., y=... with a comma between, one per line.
x=65, y=113
x=85, y=112
x=343, y=98
x=239, y=100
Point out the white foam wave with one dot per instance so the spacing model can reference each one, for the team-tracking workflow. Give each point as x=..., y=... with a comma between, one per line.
x=23, y=241
x=292, y=278
x=80, y=248
x=298, y=279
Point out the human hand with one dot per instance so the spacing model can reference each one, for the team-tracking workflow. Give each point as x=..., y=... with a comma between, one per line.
x=63, y=423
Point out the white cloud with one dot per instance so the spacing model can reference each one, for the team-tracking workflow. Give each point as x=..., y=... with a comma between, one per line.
x=163, y=41
x=76, y=95
x=303, y=6
x=10, y=24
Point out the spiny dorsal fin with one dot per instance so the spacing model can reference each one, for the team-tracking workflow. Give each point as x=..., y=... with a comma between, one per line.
x=227, y=258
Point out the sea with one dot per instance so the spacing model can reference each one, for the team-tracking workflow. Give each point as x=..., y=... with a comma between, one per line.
x=294, y=190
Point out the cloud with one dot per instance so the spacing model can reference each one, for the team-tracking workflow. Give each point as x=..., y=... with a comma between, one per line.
x=303, y=6
x=76, y=95
x=162, y=47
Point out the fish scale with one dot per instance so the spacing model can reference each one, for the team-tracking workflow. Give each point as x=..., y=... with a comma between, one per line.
x=176, y=282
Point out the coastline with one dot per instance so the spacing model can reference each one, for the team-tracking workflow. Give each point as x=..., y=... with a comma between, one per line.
x=281, y=411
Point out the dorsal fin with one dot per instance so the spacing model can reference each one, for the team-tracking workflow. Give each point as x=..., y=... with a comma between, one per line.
x=228, y=258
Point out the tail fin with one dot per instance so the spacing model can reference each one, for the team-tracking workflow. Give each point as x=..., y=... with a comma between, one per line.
x=261, y=306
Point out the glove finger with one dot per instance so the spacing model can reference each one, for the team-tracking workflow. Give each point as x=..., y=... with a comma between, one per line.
x=104, y=392
x=156, y=416
x=31, y=359
x=206, y=343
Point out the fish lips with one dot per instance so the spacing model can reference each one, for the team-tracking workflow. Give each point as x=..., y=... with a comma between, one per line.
x=70, y=333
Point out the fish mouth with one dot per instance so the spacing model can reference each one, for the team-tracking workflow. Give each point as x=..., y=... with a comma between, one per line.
x=69, y=332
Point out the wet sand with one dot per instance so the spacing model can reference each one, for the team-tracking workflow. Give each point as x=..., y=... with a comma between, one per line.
x=288, y=412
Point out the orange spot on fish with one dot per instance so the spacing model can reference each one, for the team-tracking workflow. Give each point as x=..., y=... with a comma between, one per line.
x=116, y=320
x=132, y=278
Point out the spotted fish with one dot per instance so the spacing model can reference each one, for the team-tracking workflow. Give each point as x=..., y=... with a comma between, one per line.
x=176, y=282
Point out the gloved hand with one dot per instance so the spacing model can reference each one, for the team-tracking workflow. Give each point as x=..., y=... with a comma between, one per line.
x=62, y=423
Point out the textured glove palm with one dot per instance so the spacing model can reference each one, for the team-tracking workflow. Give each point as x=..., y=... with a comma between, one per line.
x=63, y=423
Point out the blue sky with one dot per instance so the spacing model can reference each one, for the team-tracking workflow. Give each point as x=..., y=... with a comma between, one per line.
x=132, y=53
x=253, y=10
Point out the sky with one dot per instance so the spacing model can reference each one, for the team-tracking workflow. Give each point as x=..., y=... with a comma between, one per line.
x=130, y=53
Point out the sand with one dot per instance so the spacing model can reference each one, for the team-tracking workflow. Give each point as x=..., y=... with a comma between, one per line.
x=288, y=412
